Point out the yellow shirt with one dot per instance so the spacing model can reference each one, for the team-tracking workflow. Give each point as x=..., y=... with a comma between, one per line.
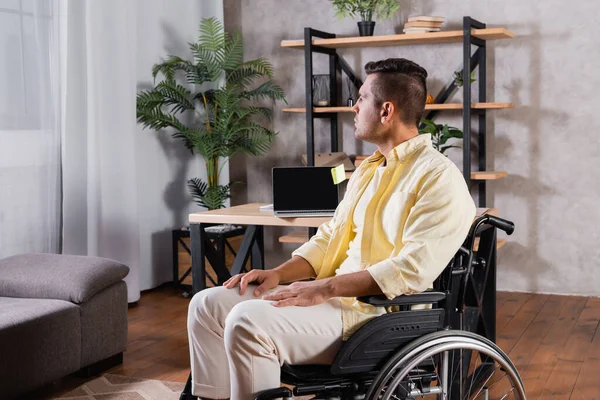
x=416, y=218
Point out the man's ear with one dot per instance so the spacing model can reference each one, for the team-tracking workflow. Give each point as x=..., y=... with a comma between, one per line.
x=387, y=111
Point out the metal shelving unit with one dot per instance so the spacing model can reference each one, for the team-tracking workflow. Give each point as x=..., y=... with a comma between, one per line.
x=474, y=33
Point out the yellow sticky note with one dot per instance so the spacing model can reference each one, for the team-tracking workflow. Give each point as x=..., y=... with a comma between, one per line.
x=339, y=174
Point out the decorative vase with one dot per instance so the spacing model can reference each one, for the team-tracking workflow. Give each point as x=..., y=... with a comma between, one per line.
x=366, y=28
x=321, y=95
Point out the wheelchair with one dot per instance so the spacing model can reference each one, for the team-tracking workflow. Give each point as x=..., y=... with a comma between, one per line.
x=446, y=351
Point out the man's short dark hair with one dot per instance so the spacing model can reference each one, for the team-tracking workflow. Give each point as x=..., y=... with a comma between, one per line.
x=402, y=82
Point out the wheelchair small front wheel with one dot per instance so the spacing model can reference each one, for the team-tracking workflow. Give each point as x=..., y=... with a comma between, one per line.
x=449, y=365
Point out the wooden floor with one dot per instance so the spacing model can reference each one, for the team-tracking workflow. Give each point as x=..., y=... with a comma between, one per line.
x=553, y=340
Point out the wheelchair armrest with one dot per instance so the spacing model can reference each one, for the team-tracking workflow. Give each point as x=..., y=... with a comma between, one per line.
x=426, y=297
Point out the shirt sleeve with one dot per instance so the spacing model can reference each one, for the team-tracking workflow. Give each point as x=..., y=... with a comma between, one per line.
x=436, y=226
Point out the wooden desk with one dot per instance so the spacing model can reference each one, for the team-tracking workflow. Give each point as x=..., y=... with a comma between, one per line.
x=251, y=214
x=253, y=241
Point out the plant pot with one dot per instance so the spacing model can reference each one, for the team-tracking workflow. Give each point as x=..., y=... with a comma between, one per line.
x=366, y=28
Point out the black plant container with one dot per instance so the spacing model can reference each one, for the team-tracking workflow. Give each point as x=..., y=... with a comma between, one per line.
x=366, y=28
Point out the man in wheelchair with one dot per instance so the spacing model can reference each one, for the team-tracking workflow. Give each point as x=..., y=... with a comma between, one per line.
x=405, y=214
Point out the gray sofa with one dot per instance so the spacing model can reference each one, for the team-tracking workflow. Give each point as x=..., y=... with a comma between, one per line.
x=59, y=314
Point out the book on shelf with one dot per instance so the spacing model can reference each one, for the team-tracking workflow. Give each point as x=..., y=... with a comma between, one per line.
x=423, y=24
x=420, y=30
x=426, y=18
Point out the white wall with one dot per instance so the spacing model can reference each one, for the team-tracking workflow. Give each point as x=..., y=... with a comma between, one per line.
x=164, y=165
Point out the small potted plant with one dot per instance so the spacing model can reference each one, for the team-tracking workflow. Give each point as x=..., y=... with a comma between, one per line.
x=458, y=78
x=383, y=9
x=440, y=134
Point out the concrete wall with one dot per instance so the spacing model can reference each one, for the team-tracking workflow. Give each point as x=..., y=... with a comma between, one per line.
x=548, y=143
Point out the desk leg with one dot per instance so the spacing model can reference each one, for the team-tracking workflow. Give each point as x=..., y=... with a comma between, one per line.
x=197, y=244
x=246, y=248
x=203, y=249
x=258, y=249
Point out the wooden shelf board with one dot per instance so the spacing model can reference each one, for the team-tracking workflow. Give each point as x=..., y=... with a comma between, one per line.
x=447, y=106
x=488, y=175
x=402, y=39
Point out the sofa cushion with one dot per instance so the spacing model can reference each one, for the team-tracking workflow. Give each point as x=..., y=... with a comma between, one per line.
x=40, y=341
x=58, y=276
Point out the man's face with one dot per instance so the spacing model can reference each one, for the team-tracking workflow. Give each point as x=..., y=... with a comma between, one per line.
x=367, y=114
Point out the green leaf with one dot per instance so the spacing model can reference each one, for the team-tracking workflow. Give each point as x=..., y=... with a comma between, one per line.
x=260, y=65
x=212, y=35
x=455, y=133
x=169, y=67
x=445, y=148
x=207, y=60
x=268, y=90
x=210, y=197
x=186, y=140
x=449, y=134
x=242, y=77
x=384, y=9
x=176, y=96
x=233, y=52
x=148, y=100
x=158, y=120
x=197, y=74
x=429, y=127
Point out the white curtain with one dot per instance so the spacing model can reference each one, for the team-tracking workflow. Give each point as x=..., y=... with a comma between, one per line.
x=100, y=216
x=29, y=128
x=117, y=180
x=69, y=74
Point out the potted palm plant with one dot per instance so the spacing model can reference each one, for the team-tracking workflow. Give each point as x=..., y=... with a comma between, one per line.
x=209, y=103
x=366, y=9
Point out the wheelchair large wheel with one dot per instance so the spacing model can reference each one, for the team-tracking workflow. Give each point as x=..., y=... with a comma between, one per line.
x=448, y=365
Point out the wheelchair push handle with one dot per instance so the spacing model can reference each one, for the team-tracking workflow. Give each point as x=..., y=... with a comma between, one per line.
x=501, y=223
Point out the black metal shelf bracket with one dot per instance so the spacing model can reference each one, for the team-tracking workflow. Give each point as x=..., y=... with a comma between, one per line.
x=470, y=62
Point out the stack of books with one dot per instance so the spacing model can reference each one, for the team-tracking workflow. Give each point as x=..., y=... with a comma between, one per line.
x=423, y=24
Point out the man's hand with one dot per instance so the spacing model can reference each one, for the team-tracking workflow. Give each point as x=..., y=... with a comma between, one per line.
x=265, y=279
x=302, y=294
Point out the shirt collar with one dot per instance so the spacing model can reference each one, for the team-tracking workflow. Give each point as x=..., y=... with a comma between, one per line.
x=404, y=149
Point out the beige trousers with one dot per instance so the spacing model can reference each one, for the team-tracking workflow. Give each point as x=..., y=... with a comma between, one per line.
x=238, y=343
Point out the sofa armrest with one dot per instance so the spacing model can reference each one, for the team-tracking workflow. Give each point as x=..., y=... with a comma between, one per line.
x=426, y=297
x=58, y=276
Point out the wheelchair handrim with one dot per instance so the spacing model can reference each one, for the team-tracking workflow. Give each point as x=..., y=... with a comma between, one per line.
x=436, y=338
x=454, y=345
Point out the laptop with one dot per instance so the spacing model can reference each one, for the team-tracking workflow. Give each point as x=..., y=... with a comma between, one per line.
x=304, y=192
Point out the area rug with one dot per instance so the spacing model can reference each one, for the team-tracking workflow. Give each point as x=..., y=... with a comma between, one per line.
x=117, y=387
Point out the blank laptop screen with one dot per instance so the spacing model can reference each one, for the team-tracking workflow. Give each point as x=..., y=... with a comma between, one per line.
x=304, y=189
